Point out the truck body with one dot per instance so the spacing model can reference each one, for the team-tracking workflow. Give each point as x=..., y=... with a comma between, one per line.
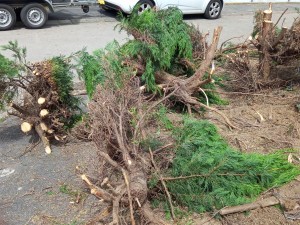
x=34, y=13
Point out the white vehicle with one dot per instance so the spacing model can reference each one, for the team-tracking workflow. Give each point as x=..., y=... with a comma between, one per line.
x=210, y=8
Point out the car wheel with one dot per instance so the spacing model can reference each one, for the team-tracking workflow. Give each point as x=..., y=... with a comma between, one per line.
x=144, y=5
x=34, y=16
x=213, y=10
x=7, y=17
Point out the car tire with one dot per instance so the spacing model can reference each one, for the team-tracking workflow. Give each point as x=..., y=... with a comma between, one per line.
x=7, y=17
x=144, y=5
x=34, y=16
x=213, y=9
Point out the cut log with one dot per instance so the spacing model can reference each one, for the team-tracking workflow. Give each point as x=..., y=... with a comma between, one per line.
x=48, y=150
x=97, y=191
x=44, y=126
x=41, y=101
x=44, y=113
x=268, y=14
x=26, y=127
x=265, y=44
x=44, y=139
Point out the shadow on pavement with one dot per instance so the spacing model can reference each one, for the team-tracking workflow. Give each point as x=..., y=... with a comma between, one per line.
x=10, y=133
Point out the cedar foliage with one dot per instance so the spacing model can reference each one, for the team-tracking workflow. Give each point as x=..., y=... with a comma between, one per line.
x=63, y=78
x=96, y=67
x=7, y=71
x=229, y=177
x=165, y=40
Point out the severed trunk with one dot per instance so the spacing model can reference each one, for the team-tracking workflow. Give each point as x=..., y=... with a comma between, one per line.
x=265, y=44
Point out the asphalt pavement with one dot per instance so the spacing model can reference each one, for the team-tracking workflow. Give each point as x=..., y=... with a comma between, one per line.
x=96, y=13
x=69, y=29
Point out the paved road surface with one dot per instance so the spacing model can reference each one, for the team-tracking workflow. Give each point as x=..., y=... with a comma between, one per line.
x=69, y=29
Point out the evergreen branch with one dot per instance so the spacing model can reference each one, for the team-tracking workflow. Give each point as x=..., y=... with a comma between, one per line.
x=201, y=175
x=140, y=36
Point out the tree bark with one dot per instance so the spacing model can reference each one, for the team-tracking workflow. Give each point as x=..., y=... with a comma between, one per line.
x=194, y=82
x=246, y=207
x=265, y=58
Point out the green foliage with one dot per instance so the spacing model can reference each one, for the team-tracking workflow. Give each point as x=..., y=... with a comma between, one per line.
x=91, y=72
x=161, y=116
x=50, y=193
x=151, y=142
x=213, y=97
x=10, y=70
x=153, y=181
x=63, y=77
x=18, y=53
x=66, y=189
x=228, y=177
x=161, y=38
x=95, y=68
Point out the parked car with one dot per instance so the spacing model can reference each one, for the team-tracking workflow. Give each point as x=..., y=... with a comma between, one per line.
x=210, y=8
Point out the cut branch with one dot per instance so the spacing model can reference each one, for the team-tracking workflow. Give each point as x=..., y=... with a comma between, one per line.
x=26, y=127
x=97, y=191
x=44, y=139
x=163, y=184
x=194, y=82
x=127, y=182
x=258, y=204
x=200, y=175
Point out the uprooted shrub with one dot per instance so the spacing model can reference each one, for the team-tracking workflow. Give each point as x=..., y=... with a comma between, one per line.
x=270, y=56
x=161, y=54
x=119, y=122
x=116, y=124
x=204, y=174
x=39, y=94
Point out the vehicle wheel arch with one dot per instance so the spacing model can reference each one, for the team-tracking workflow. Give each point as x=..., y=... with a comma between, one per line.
x=213, y=9
x=46, y=5
x=154, y=3
x=141, y=3
x=222, y=2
